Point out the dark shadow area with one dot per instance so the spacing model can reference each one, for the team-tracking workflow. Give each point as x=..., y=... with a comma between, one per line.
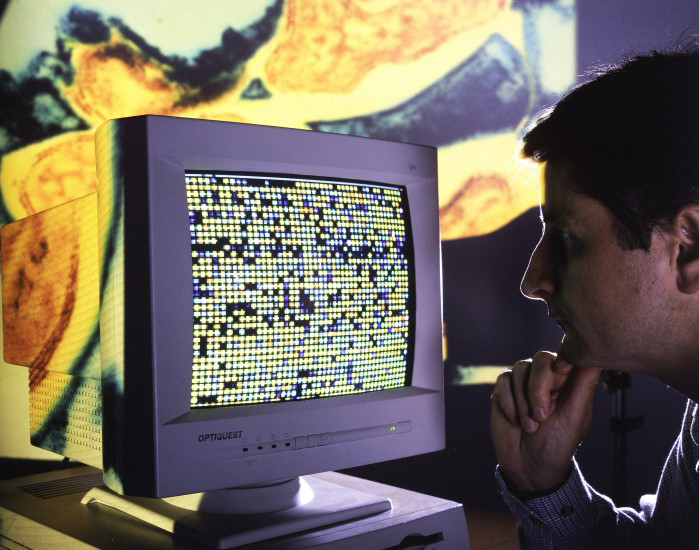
x=18, y=467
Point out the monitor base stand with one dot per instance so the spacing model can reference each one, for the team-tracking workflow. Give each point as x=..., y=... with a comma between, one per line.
x=329, y=503
x=251, y=499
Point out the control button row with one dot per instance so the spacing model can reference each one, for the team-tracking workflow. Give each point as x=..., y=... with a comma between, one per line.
x=314, y=440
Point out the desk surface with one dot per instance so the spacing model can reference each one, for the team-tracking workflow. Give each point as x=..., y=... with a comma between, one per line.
x=44, y=511
x=491, y=530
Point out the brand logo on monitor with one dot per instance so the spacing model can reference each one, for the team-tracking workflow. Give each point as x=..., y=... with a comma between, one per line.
x=220, y=436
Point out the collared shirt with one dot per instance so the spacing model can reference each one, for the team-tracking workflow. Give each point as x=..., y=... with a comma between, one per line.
x=577, y=516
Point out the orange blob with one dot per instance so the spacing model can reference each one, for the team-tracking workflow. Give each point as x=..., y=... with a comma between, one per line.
x=40, y=258
x=48, y=173
x=114, y=79
x=330, y=45
x=476, y=208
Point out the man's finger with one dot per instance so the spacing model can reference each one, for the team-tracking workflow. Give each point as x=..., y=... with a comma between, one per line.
x=544, y=385
x=502, y=397
x=520, y=384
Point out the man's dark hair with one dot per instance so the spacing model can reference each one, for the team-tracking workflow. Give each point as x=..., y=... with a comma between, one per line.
x=630, y=139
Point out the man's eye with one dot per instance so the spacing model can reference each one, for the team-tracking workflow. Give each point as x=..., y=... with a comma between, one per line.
x=569, y=242
x=563, y=240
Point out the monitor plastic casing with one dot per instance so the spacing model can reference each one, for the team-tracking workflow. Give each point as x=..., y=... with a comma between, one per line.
x=154, y=444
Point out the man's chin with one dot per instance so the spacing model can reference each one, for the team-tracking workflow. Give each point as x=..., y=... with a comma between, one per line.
x=579, y=356
x=573, y=352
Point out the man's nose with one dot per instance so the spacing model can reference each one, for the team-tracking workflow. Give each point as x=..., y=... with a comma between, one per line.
x=539, y=278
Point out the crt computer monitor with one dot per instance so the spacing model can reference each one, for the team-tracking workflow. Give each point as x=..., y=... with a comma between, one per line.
x=270, y=303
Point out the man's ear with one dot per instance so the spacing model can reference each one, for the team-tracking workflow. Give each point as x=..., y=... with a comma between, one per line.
x=686, y=226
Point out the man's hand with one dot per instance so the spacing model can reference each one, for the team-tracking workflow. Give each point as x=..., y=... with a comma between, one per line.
x=540, y=411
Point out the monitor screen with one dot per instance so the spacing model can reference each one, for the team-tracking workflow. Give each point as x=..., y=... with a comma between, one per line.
x=303, y=288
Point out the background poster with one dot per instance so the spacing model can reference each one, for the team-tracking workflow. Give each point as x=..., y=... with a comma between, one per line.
x=465, y=76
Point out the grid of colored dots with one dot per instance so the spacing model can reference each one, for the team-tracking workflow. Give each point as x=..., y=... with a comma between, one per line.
x=302, y=288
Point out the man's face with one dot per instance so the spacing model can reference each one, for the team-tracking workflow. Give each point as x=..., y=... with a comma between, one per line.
x=614, y=305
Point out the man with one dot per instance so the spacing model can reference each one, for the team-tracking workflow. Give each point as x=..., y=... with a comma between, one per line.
x=618, y=268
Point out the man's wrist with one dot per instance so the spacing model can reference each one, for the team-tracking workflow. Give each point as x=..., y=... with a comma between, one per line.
x=528, y=492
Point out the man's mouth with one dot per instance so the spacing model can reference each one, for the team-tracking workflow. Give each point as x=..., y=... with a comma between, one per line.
x=559, y=321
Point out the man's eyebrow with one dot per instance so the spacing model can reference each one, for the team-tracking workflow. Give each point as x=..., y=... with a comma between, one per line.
x=554, y=215
x=546, y=215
